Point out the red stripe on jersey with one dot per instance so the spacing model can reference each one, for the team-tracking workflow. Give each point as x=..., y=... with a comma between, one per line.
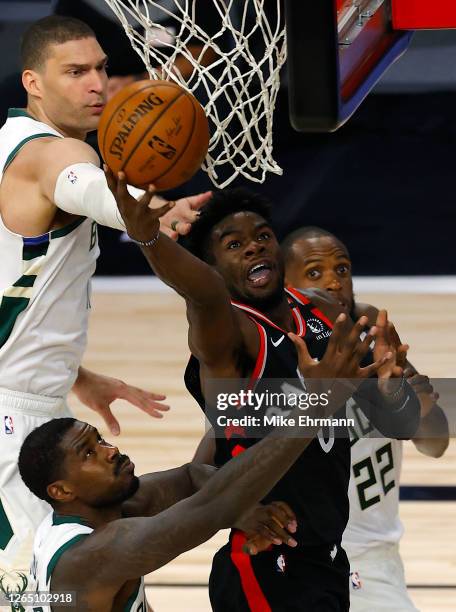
x=232, y=430
x=299, y=322
x=302, y=299
x=256, y=313
x=255, y=597
x=322, y=317
x=297, y=316
x=261, y=358
x=237, y=450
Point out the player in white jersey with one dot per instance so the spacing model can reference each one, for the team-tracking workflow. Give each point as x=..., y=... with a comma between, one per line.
x=109, y=528
x=52, y=195
x=316, y=258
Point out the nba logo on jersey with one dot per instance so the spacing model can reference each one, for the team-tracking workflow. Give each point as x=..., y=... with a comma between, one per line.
x=355, y=581
x=9, y=425
x=281, y=564
x=72, y=177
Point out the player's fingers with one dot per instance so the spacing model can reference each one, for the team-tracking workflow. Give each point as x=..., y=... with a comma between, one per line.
x=198, y=201
x=337, y=336
x=110, y=420
x=147, y=196
x=152, y=408
x=382, y=319
x=168, y=231
x=272, y=528
x=372, y=369
x=129, y=391
x=289, y=517
x=304, y=357
x=162, y=210
x=365, y=344
x=110, y=178
x=256, y=544
x=394, y=336
x=183, y=228
x=184, y=211
x=353, y=343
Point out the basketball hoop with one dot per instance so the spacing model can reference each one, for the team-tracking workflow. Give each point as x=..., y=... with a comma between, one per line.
x=237, y=87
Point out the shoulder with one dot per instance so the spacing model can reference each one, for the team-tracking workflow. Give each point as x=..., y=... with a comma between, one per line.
x=68, y=150
x=54, y=154
x=366, y=310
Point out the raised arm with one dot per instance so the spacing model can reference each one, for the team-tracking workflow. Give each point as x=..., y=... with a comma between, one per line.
x=216, y=331
x=432, y=436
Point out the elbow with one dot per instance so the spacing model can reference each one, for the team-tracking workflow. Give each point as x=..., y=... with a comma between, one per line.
x=432, y=447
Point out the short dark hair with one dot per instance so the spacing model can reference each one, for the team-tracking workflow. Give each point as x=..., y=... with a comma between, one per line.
x=52, y=30
x=224, y=202
x=304, y=233
x=41, y=457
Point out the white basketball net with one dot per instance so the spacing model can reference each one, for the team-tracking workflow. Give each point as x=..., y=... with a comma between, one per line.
x=238, y=89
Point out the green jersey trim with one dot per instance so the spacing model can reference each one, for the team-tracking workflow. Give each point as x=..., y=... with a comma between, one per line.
x=59, y=552
x=19, y=146
x=19, y=112
x=6, y=531
x=131, y=599
x=67, y=229
x=62, y=519
x=10, y=309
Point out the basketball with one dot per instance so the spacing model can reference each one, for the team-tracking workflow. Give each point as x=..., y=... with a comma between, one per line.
x=154, y=131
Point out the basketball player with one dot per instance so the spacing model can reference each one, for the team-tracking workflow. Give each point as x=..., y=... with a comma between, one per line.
x=239, y=318
x=316, y=258
x=52, y=195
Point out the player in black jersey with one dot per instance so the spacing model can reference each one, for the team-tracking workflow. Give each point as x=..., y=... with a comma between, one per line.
x=240, y=318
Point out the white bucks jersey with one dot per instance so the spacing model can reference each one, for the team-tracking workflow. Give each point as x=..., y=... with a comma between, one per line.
x=374, y=487
x=44, y=288
x=54, y=536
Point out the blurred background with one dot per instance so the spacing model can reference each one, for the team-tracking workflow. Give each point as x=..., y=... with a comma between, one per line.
x=384, y=183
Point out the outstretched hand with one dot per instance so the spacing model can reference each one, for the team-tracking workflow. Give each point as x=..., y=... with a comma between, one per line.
x=97, y=392
x=142, y=220
x=145, y=216
x=387, y=342
x=340, y=365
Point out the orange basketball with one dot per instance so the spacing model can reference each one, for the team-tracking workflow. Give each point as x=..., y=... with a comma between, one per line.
x=155, y=132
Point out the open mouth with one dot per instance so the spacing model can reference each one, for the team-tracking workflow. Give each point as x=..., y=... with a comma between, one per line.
x=260, y=274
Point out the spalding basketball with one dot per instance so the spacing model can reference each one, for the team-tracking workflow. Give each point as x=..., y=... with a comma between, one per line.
x=155, y=132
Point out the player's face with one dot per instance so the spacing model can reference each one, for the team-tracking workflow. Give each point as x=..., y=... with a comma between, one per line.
x=98, y=474
x=74, y=85
x=324, y=263
x=248, y=256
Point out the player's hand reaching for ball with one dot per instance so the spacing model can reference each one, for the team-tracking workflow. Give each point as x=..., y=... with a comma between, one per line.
x=98, y=392
x=146, y=216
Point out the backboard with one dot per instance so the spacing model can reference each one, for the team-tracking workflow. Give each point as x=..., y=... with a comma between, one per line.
x=337, y=51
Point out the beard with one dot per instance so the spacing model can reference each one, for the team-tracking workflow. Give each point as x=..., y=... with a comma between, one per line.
x=117, y=497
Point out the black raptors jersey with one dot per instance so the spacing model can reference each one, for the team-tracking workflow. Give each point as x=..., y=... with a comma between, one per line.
x=316, y=486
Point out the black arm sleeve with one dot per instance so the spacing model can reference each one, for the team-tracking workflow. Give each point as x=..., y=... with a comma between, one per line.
x=394, y=419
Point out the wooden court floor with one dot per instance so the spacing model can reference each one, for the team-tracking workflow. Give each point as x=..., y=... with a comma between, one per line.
x=141, y=338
